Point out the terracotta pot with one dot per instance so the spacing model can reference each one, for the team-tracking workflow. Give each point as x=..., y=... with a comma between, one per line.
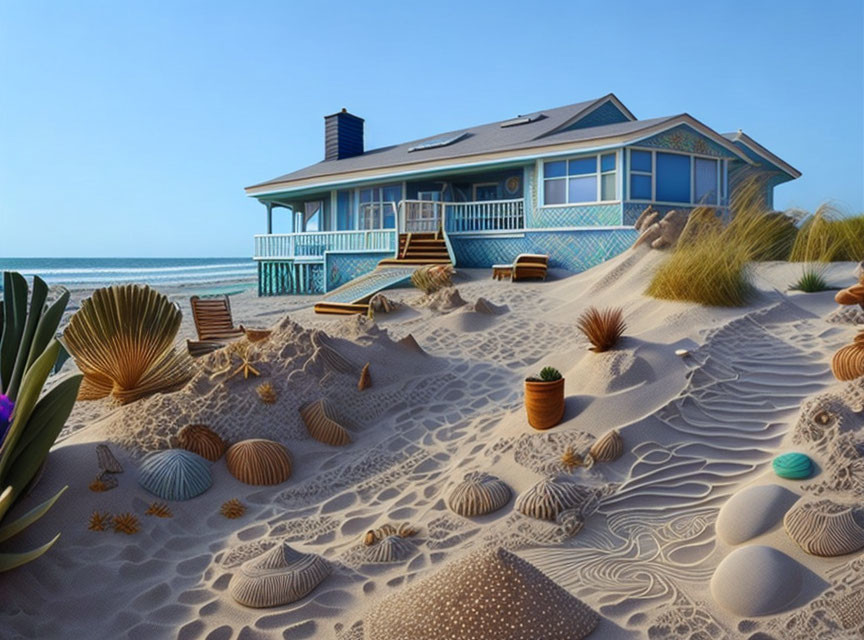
x=544, y=403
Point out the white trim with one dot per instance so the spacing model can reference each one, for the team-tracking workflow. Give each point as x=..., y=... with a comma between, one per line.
x=759, y=150
x=518, y=233
x=597, y=174
x=570, y=205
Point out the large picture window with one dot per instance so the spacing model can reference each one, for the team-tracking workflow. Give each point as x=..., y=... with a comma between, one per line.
x=378, y=207
x=673, y=178
x=580, y=180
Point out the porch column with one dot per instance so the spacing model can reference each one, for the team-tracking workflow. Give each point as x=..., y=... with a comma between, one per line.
x=269, y=206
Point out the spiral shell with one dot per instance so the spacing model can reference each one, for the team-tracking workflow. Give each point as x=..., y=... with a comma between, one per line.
x=259, y=462
x=478, y=493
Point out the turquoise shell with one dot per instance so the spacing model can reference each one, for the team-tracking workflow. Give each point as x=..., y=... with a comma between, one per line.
x=175, y=474
x=794, y=466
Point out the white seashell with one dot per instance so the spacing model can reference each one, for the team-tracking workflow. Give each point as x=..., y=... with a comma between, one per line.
x=551, y=496
x=393, y=548
x=478, y=493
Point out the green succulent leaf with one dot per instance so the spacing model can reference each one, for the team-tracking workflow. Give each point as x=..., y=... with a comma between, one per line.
x=45, y=424
x=9, y=561
x=37, y=304
x=15, y=315
x=31, y=388
x=18, y=525
x=47, y=328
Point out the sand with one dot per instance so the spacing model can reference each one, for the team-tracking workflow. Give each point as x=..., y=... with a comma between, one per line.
x=697, y=430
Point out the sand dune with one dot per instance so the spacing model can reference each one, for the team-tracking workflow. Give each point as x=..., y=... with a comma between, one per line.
x=699, y=432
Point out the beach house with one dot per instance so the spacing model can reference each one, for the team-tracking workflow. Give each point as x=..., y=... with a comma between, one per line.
x=568, y=182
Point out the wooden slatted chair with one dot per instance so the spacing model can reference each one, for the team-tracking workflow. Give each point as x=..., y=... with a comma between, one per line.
x=198, y=348
x=213, y=320
x=526, y=266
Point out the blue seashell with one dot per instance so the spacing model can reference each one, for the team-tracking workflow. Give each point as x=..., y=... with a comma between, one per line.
x=175, y=474
x=794, y=466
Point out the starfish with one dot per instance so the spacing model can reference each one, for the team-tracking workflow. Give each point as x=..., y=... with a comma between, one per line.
x=247, y=369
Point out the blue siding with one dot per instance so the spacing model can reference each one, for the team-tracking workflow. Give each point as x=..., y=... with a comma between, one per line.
x=605, y=114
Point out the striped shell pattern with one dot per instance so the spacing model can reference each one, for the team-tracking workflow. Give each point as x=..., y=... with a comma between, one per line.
x=322, y=426
x=825, y=528
x=259, y=462
x=202, y=440
x=478, y=493
x=848, y=362
x=279, y=576
x=175, y=474
x=549, y=497
x=608, y=447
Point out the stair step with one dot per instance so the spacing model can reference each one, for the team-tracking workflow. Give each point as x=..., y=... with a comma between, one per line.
x=421, y=261
x=341, y=308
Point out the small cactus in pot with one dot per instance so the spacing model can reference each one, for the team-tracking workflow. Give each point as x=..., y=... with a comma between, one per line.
x=544, y=398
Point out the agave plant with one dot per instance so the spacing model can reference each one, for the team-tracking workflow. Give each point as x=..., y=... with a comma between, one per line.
x=29, y=425
x=122, y=339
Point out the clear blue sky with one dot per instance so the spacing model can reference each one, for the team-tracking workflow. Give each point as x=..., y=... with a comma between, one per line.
x=130, y=129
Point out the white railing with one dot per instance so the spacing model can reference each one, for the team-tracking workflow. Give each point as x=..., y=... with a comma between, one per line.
x=491, y=215
x=313, y=244
x=373, y=214
x=420, y=216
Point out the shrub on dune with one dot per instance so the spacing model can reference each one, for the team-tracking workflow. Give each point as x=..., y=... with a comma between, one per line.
x=828, y=236
x=812, y=280
x=602, y=328
x=431, y=278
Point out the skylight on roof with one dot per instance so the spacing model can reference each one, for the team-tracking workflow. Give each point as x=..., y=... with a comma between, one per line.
x=438, y=142
x=522, y=120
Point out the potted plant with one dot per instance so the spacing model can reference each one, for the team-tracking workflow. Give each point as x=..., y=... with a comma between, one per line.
x=544, y=398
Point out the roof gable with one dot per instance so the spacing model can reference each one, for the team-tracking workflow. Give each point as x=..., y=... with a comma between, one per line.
x=759, y=154
x=608, y=110
x=683, y=137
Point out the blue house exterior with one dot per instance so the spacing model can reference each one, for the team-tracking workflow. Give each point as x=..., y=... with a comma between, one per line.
x=568, y=182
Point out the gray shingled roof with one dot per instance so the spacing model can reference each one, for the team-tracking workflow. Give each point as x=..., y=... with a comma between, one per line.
x=485, y=138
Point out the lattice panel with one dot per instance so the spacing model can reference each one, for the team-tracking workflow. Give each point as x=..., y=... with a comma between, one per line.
x=602, y=215
x=683, y=138
x=344, y=267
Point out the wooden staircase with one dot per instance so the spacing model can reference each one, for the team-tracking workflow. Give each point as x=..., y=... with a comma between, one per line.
x=420, y=249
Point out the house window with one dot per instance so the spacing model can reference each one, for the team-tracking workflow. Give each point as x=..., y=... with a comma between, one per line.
x=673, y=177
x=430, y=196
x=580, y=180
x=313, y=214
x=378, y=207
x=705, y=180
x=641, y=175
x=485, y=191
x=344, y=211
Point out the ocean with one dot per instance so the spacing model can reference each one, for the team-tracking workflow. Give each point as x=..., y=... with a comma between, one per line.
x=202, y=274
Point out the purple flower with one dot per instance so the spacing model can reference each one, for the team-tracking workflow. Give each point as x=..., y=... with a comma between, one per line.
x=6, y=406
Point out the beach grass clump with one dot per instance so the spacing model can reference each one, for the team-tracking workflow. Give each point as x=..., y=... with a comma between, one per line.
x=433, y=277
x=812, y=280
x=828, y=236
x=603, y=328
x=712, y=267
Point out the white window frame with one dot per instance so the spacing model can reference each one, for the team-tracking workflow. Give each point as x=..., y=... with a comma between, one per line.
x=436, y=196
x=598, y=174
x=722, y=177
x=486, y=184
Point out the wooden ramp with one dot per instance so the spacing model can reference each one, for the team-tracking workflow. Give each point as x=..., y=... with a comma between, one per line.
x=353, y=297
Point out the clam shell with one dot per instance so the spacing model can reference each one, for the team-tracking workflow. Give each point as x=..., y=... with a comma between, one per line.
x=608, y=447
x=202, y=440
x=259, y=462
x=393, y=548
x=478, y=493
x=279, y=576
x=175, y=474
x=551, y=496
x=825, y=528
x=322, y=426
x=848, y=362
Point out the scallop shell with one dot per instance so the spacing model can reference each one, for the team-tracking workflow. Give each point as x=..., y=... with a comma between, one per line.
x=321, y=425
x=848, y=363
x=201, y=439
x=259, y=462
x=608, y=447
x=825, y=528
x=175, y=474
x=279, y=576
x=793, y=466
x=393, y=548
x=551, y=496
x=478, y=493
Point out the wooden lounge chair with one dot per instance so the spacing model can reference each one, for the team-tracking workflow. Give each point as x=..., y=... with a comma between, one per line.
x=526, y=266
x=213, y=319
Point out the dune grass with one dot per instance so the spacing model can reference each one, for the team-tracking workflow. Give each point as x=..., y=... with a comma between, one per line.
x=712, y=267
x=602, y=328
x=828, y=236
x=812, y=280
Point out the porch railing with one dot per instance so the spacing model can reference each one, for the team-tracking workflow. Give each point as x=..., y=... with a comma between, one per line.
x=490, y=215
x=420, y=216
x=313, y=244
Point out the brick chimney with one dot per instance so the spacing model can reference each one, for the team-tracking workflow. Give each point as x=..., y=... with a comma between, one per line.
x=343, y=136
